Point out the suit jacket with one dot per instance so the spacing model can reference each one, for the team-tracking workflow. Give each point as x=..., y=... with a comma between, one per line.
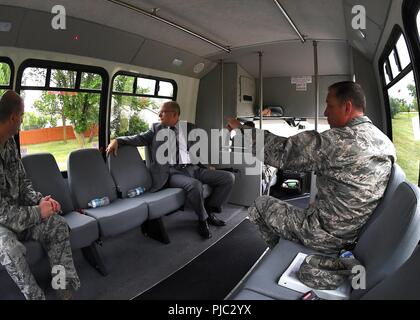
x=159, y=172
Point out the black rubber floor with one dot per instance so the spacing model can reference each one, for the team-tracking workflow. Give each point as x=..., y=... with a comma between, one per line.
x=213, y=274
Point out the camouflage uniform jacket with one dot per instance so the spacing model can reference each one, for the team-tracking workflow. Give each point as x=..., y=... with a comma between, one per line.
x=352, y=164
x=19, y=208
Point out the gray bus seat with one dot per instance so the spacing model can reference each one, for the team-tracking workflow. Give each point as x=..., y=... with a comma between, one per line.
x=129, y=172
x=263, y=279
x=246, y=294
x=46, y=178
x=90, y=179
x=391, y=239
x=397, y=176
x=404, y=284
x=382, y=247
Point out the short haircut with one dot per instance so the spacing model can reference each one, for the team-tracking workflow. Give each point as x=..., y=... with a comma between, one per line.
x=349, y=90
x=174, y=106
x=249, y=124
x=10, y=103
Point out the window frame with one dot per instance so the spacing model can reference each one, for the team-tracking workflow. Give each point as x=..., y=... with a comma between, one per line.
x=138, y=75
x=79, y=69
x=12, y=72
x=410, y=10
x=384, y=59
x=133, y=94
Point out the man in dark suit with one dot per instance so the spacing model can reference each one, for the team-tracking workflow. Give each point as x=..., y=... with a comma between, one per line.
x=184, y=171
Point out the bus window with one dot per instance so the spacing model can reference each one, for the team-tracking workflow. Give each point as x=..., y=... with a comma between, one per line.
x=405, y=125
x=5, y=77
x=135, y=104
x=403, y=106
x=34, y=77
x=146, y=86
x=59, y=117
x=166, y=89
x=91, y=81
x=387, y=77
x=402, y=50
x=418, y=23
x=63, y=79
x=393, y=61
x=123, y=83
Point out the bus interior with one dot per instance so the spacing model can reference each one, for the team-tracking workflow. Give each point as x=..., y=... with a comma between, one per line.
x=91, y=71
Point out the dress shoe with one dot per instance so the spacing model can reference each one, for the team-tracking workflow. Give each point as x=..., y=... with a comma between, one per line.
x=203, y=229
x=215, y=221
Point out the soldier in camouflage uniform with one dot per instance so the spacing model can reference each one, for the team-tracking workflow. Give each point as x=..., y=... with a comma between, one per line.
x=352, y=162
x=25, y=214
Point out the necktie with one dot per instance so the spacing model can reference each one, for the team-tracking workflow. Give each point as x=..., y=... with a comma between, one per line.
x=177, y=144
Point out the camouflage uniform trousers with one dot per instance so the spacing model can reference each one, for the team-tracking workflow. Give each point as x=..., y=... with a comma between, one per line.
x=53, y=234
x=276, y=219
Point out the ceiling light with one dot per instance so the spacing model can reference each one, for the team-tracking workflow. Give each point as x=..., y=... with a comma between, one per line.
x=5, y=26
x=198, y=67
x=177, y=62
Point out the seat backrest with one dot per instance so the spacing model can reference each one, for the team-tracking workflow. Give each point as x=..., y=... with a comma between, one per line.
x=43, y=171
x=391, y=239
x=397, y=176
x=403, y=284
x=89, y=177
x=128, y=170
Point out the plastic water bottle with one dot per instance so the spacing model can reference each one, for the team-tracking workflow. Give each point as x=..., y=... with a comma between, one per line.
x=135, y=192
x=95, y=203
x=346, y=254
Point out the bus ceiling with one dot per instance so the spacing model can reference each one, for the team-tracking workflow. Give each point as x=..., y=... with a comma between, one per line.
x=190, y=38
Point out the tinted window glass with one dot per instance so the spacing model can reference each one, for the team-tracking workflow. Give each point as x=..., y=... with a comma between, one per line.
x=58, y=121
x=34, y=77
x=405, y=125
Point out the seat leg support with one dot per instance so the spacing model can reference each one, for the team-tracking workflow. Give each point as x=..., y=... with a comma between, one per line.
x=94, y=256
x=155, y=229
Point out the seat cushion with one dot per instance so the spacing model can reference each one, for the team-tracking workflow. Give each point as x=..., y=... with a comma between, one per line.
x=83, y=229
x=391, y=239
x=246, y=294
x=267, y=273
x=128, y=170
x=161, y=202
x=119, y=216
x=43, y=171
x=396, y=178
x=88, y=177
x=404, y=284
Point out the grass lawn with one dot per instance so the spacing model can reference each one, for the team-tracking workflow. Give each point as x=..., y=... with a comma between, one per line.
x=61, y=150
x=408, y=149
